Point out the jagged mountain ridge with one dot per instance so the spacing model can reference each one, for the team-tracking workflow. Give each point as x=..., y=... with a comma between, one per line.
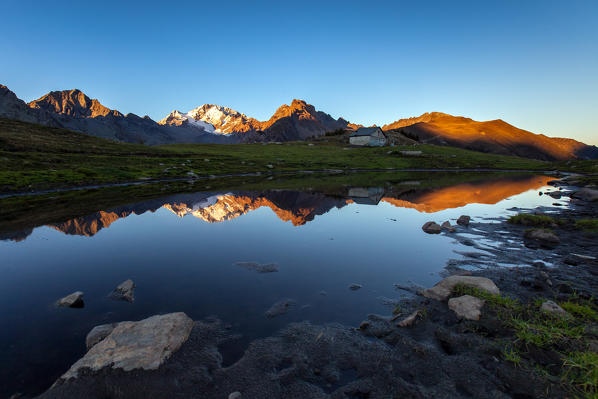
x=290, y=122
x=73, y=110
x=496, y=136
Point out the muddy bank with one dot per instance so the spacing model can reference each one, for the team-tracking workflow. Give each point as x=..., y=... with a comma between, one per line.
x=438, y=355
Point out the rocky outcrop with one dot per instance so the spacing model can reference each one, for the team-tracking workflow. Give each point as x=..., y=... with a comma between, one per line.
x=132, y=345
x=467, y=307
x=74, y=300
x=444, y=288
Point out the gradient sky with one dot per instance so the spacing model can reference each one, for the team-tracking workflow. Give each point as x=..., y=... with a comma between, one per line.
x=531, y=63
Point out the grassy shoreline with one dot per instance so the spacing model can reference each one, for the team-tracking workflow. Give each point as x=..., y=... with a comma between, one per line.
x=34, y=158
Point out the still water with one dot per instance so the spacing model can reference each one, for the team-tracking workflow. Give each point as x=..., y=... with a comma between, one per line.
x=182, y=252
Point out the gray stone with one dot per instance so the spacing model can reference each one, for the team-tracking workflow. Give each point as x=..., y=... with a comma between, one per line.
x=555, y=194
x=444, y=288
x=235, y=395
x=74, y=300
x=279, y=308
x=463, y=220
x=553, y=308
x=98, y=333
x=467, y=307
x=446, y=225
x=432, y=228
x=586, y=194
x=144, y=344
x=542, y=237
x=124, y=291
x=409, y=320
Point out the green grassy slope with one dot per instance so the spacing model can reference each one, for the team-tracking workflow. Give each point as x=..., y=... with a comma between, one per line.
x=34, y=157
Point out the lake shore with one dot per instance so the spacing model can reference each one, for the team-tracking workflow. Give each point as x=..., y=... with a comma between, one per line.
x=513, y=350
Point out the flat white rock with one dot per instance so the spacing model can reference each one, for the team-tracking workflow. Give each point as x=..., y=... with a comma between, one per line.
x=144, y=344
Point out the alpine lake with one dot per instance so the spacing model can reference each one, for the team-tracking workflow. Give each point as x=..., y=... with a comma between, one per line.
x=229, y=250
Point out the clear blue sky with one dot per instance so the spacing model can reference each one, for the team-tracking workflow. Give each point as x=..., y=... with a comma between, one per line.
x=531, y=63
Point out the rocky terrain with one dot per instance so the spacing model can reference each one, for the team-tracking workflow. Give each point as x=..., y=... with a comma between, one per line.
x=495, y=136
x=485, y=331
x=73, y=110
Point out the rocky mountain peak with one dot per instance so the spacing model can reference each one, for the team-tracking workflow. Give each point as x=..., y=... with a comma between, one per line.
x=73, y=103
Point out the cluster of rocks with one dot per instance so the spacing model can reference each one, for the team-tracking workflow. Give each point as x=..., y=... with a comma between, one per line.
x=124, y=291
x=435, y=228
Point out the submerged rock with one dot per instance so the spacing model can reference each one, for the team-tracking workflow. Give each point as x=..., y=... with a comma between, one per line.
x=463, y=220
x=125, y=291
x=467, y=307
x=144, y=344
x=355, y=287
x=279, y=308
x=432, y=228
x=444, y=288
x=74, y=300
x=265, y=268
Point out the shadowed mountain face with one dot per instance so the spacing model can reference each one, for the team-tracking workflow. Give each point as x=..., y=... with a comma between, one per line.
x=496, y=137
x=300, y=207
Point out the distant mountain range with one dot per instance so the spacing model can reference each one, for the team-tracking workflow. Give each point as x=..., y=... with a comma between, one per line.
x=72, y=109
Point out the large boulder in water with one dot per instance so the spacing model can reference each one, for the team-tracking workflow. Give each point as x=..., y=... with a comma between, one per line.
x=144, y=344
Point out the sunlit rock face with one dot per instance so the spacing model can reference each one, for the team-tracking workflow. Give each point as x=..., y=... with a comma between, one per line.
x=468, y=193
x=496, y=136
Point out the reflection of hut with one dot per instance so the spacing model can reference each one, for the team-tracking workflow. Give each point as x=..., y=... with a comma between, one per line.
x=368, y=136
x=366, y=196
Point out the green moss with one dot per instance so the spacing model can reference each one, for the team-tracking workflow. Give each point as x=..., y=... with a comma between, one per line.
x=528, y=219
x=492, y=300
x=587, y=225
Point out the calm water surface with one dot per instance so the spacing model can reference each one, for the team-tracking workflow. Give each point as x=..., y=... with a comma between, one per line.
x=181, y=252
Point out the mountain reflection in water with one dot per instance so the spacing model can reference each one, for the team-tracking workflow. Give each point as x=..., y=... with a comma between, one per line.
x=300, y=207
